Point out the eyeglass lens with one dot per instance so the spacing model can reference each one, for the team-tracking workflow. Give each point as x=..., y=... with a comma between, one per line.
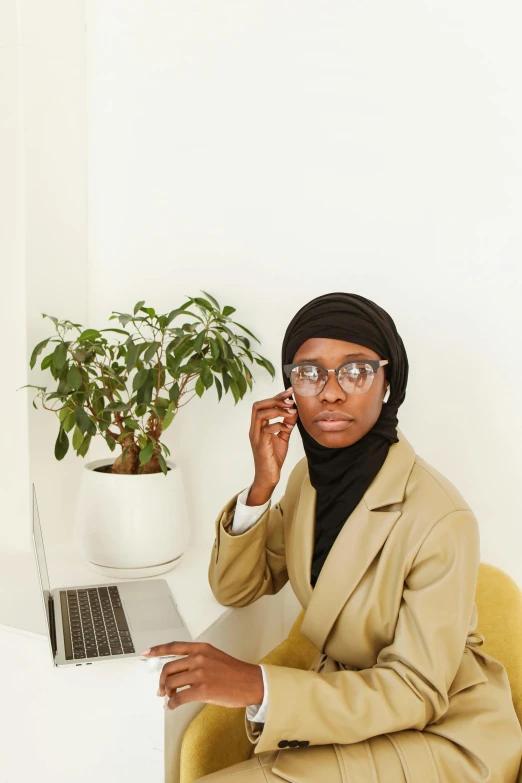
x=354, y=378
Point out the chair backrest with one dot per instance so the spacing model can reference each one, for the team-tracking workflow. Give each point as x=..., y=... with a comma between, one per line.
x=499, y=604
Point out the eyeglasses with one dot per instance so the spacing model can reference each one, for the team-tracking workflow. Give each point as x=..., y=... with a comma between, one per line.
x=354, y=377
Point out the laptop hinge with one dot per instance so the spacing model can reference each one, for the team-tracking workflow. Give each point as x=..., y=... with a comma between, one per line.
x=52, y=622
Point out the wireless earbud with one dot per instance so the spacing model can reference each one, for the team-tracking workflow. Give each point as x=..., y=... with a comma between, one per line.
x=155, y=664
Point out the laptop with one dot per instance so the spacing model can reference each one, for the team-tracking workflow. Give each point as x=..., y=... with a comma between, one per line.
x=105, y=622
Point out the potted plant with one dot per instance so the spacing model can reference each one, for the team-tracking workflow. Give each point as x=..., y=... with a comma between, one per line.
x=126, y=385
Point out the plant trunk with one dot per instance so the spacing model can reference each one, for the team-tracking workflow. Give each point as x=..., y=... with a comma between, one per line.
x=152, y=466
x=131, y=463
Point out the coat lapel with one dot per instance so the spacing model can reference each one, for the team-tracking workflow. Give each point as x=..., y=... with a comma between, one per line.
x=354, y=549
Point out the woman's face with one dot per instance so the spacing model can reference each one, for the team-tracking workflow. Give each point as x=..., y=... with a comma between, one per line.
x=364, y=409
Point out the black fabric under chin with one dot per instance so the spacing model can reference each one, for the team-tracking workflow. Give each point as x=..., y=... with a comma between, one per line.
x=342, y=476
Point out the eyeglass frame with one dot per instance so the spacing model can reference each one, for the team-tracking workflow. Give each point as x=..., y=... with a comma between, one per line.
x=374, y=364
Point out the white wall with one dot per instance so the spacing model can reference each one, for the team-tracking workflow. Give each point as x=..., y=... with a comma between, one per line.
x=269, y=152
x=43, y=241
x=14, y=460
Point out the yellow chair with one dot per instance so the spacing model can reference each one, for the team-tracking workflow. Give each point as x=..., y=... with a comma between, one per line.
x=216, y=738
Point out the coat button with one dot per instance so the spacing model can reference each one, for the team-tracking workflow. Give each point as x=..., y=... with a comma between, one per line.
x=294, y=743
x=282, y=744
x=303, y=743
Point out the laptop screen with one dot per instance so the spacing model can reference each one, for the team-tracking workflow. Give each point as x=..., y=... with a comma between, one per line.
x=41, y=563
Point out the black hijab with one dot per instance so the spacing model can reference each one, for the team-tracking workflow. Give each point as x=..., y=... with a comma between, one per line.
x=342, y=476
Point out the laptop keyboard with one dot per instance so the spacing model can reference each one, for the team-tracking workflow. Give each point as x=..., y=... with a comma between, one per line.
x=94, y=623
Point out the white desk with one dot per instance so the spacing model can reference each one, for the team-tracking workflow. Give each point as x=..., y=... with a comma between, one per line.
x=104, y=722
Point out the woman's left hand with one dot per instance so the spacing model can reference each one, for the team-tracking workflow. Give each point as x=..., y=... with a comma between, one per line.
x=214, y=677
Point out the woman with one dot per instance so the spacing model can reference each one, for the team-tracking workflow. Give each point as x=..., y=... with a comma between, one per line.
x=383, y=552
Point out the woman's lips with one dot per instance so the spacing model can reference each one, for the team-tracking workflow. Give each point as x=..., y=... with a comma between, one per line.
x=333, y=425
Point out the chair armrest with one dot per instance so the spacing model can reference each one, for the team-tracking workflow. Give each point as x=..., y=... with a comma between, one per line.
x=216, y=737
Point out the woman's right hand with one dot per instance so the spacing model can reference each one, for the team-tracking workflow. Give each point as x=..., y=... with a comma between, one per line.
x=270, y=441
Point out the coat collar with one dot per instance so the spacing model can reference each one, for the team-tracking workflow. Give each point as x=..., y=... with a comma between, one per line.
x=354, y=549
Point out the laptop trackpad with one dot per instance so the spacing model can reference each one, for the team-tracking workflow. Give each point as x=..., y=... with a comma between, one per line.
x=152, y=615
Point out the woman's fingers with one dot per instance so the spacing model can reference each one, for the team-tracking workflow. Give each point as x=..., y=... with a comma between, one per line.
x=281, y=429
x=260, y=423
x=269, y=454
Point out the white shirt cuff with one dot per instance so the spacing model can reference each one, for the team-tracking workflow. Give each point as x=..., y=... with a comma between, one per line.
x=257, y=712
x=245, y=516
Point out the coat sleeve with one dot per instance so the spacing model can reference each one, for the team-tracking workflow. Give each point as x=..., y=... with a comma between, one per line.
x=246, y=566
x=407, y=687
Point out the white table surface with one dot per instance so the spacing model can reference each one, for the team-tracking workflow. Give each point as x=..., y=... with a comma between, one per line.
x=104, y=723
x=98, y=723
x=89, y=723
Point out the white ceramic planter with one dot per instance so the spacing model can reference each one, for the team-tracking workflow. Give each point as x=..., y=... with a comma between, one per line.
x=131, y=526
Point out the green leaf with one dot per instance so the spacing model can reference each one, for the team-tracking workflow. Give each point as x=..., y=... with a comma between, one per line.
x=140, y=378
x=144, y=393
x=214, y=348
x=74, y=377
x=109, y=440
x=63, y=389
x=226, y=350
x=119, y=331
x=84, y=448
x=124, y=319
x=178, y=311
x=37, y=351
x=132, y=355
x=174, y=392
x=77, y=438
x=131, y=424
x=59, y=356
x=89, y=334
x=227, y=310
x=266, y=364
x=46, y=361
x=206, y=377
x=169, y=417
x=203, y=303
x=234, y=389
x=214, y=302
x=246, y=330
x=241, y=382
x=150, y=352
x=63, y=413
x=149, y=310
x=146, y=453
x=138, y=306
x=69, y=422
x=84, y=422
x=198, y=342
x=141, y=410
x=218, y=387
x=158, y=378
x=61, y=446
x=163, y=464
x=122, y=407
x=200, y=388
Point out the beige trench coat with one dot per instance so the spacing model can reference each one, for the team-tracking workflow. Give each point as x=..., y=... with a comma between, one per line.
x=393, y=614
